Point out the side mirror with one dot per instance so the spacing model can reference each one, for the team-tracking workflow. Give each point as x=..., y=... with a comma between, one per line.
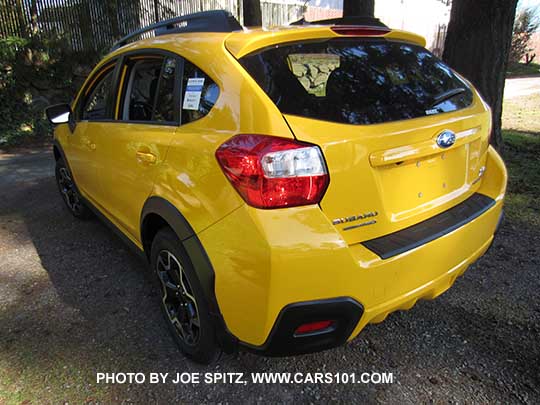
x=58, y=114
x=61, y=114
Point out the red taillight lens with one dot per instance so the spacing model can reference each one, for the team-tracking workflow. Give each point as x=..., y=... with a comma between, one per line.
x=313, y=327
x=360, y=31
x=271, y=172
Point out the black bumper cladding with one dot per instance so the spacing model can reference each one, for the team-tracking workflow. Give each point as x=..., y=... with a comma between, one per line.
x=344, y=312
x=409, y=238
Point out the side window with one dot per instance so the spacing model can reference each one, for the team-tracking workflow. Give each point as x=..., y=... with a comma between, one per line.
x=95, y=101
x=164, y=110
x=200, y=93
x=149, y=89
x=141, y=90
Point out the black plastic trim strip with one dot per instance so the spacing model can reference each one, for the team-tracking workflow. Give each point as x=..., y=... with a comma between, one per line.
x=282, y=340
x=433, y=228
x=199, y=259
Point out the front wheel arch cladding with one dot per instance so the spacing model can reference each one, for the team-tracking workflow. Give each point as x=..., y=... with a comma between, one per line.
x=59, y=153
x=171, y=216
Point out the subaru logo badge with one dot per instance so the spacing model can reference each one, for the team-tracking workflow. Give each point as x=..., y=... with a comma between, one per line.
x=446, y=139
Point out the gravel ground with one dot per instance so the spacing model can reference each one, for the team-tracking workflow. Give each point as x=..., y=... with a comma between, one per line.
x=74, y=301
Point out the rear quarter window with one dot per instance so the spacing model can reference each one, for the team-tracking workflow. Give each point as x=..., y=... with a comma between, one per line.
x=357, y=81
x=200, y=93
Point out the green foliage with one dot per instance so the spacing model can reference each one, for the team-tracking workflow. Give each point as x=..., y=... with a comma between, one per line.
x=9, y=47
x=521, y=157
x=522, y=69
x=525, y=25
x=33, y=74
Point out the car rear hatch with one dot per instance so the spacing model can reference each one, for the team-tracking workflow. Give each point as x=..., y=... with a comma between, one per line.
x=404, y=137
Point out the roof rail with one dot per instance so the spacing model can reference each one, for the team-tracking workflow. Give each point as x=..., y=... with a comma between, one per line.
x=205, y=21
x=353, y=20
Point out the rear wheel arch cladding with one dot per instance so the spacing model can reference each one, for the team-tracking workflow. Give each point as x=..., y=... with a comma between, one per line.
x=157, y=207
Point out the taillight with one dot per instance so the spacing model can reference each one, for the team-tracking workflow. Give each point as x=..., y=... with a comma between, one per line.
x=271, y=172
x=360, y=31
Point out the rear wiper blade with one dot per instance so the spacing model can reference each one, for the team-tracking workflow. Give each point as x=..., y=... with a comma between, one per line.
x=447, y=95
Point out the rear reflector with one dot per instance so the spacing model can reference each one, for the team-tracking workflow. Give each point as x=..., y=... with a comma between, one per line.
x=271, y=172
x=313, y=327
x=360, y=31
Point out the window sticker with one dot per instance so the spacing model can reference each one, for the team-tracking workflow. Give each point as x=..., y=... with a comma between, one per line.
x=192, y=97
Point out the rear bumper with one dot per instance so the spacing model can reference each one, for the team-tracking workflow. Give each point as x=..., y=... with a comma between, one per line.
x=345, y=313
x=268, y=263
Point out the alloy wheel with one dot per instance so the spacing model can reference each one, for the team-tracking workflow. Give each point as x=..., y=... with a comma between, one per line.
x=68, y=190
x=178, y=299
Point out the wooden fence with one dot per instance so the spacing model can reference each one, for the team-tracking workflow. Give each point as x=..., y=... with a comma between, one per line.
x=93, y=25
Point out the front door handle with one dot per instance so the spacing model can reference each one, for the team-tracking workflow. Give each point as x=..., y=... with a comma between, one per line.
x=146, y=157
x=89, y=144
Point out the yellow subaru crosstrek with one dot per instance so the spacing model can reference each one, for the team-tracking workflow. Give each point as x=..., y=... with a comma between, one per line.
x=288, y=186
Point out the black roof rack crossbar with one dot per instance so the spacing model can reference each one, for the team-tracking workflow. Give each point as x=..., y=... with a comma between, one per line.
x=205, y=21
x=353, y=20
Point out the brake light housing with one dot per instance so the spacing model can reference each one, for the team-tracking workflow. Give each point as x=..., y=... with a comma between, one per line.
x=272, y=172
x=360, y=31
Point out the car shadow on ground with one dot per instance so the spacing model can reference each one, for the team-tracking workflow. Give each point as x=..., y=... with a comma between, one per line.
x=75, y=301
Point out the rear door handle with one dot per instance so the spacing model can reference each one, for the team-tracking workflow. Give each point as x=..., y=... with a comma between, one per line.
x=146, y=157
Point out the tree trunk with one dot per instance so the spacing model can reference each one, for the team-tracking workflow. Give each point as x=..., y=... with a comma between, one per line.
x=112, y=14
x=252, y=13
x=156, y=10
x=358, y=7
x=21, y=19
x=477, y=46
x=85, y=25
x=34, y=27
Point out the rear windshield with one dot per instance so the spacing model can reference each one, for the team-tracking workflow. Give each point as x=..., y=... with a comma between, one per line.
x=357, y=81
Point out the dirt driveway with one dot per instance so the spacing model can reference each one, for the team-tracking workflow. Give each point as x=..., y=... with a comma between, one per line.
x=74, y=301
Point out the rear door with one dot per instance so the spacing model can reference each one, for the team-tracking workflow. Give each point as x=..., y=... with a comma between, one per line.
x=147, y=118
x=378, y=108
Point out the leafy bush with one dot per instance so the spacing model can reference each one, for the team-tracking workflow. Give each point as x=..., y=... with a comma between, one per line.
x=34, y=72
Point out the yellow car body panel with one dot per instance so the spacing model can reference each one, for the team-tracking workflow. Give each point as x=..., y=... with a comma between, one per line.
x=130, y=156
x=381, y=160
x=272, y=258
x=190, y=178
x=265, y=260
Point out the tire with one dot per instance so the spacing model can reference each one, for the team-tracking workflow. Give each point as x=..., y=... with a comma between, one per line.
x=182, y=299
x=69, y=192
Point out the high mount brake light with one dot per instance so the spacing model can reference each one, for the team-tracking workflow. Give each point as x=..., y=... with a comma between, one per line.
x=271, y=172
x=360, y=31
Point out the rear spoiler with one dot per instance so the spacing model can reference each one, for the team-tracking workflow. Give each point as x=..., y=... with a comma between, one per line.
x=349, y=21
x=240, y=44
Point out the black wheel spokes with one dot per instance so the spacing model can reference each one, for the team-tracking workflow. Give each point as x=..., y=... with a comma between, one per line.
x=67, y=189
x=177, y=298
